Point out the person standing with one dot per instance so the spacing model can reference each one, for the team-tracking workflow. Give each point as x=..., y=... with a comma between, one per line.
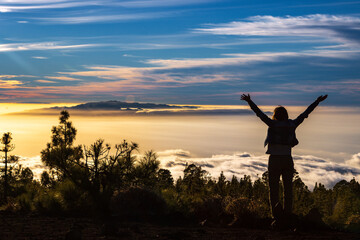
x=281, y=138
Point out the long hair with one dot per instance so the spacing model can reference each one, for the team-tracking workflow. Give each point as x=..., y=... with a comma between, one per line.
x=280, y=114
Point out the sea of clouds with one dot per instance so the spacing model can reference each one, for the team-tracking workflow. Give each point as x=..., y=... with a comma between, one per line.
x=310, y=168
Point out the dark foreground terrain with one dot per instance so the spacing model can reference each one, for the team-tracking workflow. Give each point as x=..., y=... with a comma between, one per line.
x=40, y=227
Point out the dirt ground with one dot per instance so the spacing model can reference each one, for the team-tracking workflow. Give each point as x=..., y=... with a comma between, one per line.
x=39, y=227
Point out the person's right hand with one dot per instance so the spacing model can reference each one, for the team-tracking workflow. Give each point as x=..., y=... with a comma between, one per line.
x=245, y=97
x=321, y=98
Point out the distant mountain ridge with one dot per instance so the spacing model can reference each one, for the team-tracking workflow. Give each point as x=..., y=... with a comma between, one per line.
x=118, y=105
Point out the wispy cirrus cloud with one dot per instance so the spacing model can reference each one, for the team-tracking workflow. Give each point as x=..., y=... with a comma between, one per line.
x=14, y=76
x=150, y=75
x=94, y=11
x=40, y=57
x=16, y=6
x=62, y=78
x=338, y=28
x=246, y=58
x=11, y=47
x=170, y=73
x=342, y=86
x=115, y=85
x=328, y=4
x=44, y=81
x=101, y=18
x=161, y=3
x=21, y=5
x=228, y=69
x=77, y=91
x=32, y=1
x=9, y=84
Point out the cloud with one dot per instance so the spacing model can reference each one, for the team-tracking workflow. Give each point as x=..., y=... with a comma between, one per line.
x=9, y=84
x=35, y=164
x=328, y=4
x=338, y=28
x=247, y=58
x=32, y=1
x=230, y=70
x=149, y=77
x=93, y=11
x=101, y=18
x=345, y=87
x=100, y=109
x=16, y=6
x=311, y=169
x=62, y=78
x=11, y=47
x=174, y=152
x=21, y=5
x=40, y=57
x=354, y=161
x=195, y=112
x=44, y=81
x=15, y=76
x=157, y=71
x=161, y=3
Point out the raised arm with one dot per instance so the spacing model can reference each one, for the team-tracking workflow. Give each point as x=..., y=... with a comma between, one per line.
x=257, y=110
x=305, y=114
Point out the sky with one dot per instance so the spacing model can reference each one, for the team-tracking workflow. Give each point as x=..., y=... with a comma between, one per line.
x=180, y=51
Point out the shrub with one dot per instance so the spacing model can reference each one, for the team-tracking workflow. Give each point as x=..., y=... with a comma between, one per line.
x=48, y=202
x=137, y=203
x=212, y=210
x=353, y=223
x=69, y=196
x=240, y=207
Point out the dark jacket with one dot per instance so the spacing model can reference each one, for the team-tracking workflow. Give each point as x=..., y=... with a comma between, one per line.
x=282, y=132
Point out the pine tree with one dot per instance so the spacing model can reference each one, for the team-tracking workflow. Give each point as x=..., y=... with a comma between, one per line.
x=8, y=147
x=60, y=155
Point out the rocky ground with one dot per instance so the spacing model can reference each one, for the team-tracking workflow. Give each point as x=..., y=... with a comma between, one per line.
x=40, y=227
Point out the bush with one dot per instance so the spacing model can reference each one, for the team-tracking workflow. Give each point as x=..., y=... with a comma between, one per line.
x=137, y=203
x=48, y=203
x=260, y=208
x=246, y=212
x=212, y=210
x=26, y=202
x=170, y=197
x=11, y=206
x=69, y=196
x=239, y=207
x=353, y=223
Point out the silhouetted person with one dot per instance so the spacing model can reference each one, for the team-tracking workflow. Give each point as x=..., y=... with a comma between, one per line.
x=280, y=139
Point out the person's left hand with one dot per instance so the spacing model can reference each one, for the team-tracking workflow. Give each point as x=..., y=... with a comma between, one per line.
x=321, y=98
